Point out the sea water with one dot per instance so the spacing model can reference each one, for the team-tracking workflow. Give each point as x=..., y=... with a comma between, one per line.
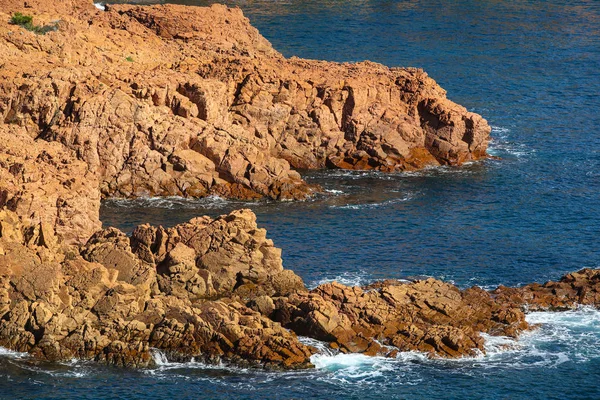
x=532, y=69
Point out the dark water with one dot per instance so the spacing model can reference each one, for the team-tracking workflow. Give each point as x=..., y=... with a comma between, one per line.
x=532, y=69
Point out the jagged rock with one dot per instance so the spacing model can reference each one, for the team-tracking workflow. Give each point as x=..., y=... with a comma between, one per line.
x=174, y=100
x=429, y=316
x=572, y=290
x=104, y=302
x=215, y=289
x=223, y=256
x=191, y=101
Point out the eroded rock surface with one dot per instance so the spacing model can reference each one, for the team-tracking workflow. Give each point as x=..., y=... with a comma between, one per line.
x=191, y=101
x=42, y=182
x=428, y=316
x=174, y=100
x=216, y=290
x=116, y=298
x=573, y=289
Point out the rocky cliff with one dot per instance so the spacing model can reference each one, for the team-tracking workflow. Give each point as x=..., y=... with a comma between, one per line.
x=190, y=101
x=173, y=100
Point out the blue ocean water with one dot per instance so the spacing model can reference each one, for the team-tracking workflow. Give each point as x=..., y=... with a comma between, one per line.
x=532, y=69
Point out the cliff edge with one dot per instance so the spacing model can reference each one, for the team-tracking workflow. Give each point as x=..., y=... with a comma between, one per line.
x=190, y=101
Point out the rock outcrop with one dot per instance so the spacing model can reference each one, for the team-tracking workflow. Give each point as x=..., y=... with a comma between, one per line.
x=181, y=290
x=190, y=101
x=216, y=290
x=428, y=315
x=572, y=290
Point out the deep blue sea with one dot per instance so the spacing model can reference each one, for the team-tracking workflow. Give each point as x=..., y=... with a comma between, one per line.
x=532, y=69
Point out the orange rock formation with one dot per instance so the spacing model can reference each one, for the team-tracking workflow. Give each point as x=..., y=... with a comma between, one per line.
x=189, y=101
x=172, y=100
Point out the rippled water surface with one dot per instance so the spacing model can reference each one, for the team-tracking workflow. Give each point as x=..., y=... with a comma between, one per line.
x=531, y=68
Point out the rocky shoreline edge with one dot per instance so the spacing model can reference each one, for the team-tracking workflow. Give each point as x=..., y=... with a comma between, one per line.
x=165, y=100
x=168, y=100
x=216, y=290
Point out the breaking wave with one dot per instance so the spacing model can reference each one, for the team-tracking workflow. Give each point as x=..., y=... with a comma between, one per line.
x=561, y=337
x=358, y=278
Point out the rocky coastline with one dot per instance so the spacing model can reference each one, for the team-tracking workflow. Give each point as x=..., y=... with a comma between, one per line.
x=170, y=100
x=190, y=101
x=216, y=290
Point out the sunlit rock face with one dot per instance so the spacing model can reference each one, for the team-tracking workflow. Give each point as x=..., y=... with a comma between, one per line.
x=190, y=101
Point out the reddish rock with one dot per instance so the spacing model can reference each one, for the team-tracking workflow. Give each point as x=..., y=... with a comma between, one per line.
x=215, y=289
x=429, y=316
x=191, y=101
x=573, y=289
x=107, y=302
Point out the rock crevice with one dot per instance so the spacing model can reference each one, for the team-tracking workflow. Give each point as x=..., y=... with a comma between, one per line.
x=191, y=101
x=187, y=101
x=216, y=290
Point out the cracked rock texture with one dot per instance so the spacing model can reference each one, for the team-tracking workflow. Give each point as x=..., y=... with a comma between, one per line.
x=181, y=290
x=191, y=101
x=216, y=290
x=173, y=100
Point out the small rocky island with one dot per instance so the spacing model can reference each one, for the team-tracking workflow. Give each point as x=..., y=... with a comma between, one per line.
x=170, y=100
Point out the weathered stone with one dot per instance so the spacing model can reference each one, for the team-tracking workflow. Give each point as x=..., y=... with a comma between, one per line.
x=190, y=101
x=173, y=100
x=103, y=302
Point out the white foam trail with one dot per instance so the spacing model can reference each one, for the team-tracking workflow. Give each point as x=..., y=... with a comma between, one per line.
x=160, y=359
x=164, y=365
x=322, y=347
x=500, y=144
x=351, y=360
x=4, y=352
x=398, y=200
x=178, y=202
x=583, y=317
x=562, y=337
x=499, y=344
x=360, y=278
x=499, y=129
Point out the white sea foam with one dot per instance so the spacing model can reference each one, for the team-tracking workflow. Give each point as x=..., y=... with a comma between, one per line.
x=572, y=336
x=164, y=364
x=501, y=145
x=359, y=278
x=352, y=174
x=177, y=202
x=561, y=337
x=397, y=200
x=100, y=6
x=583, y=317
x=160, y=359
x=4, y=352
x=322, y=347
x=500, y=130
x=351, y=360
